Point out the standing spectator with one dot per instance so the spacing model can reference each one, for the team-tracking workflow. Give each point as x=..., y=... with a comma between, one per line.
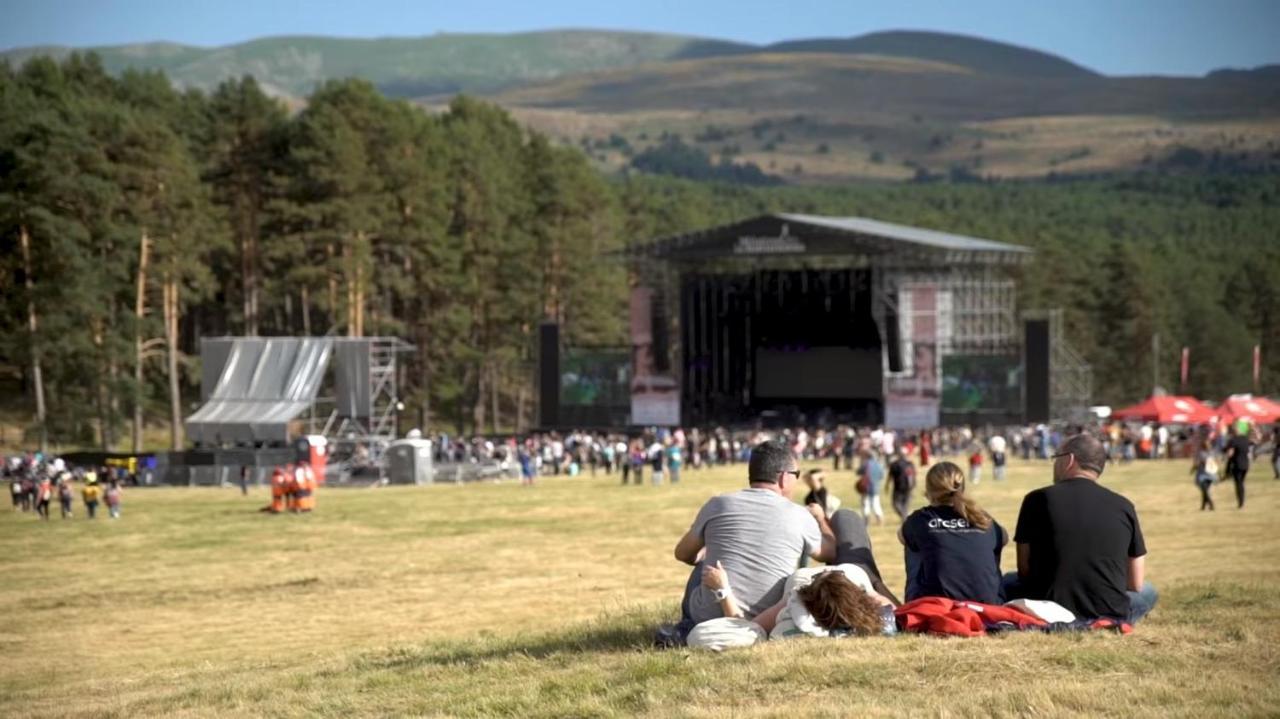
x=1239, y=450
x=637, y=461
x=28, y=493
x=90, y=494
x=15, y=489
x=998, y=447
x=44, y=495
x=902, y=477
x=113, y=499
x=975, y=463
x=244, y=481
x=675, y=458
x=1205, y=469
x=656, y=455
x=926, y=443
x=527, y=469
x=65, y=496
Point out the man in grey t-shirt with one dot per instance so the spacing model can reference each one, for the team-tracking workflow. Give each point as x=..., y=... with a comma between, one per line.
x=756, y=534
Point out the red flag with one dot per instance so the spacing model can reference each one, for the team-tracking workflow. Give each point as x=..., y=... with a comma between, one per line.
x=1186, y=363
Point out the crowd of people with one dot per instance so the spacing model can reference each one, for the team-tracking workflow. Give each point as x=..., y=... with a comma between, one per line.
x=1080, y=554
x=36, y=481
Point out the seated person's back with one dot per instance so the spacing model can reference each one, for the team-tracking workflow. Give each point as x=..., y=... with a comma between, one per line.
x=1082, y=536
x=1076, y=540
x=952, y=546
x=758, y=537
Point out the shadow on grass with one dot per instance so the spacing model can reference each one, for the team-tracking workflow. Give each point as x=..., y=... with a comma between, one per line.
x=630, y=630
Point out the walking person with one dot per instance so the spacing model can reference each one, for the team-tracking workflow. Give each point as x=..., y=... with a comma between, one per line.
x=902, y=480
x=869, y=483
x=44, y=495
x=91, y=494
x=64, y=496
x=1205, y=469
x=1239, y=449
x=113, y=499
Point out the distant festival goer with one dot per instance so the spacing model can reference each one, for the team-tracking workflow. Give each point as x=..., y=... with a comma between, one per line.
x=872, y=477
x=1239, y=450
x=113, y=497
x=675, y=458
x=902, y=480
x=1205, y=469
x=818, y=493
x=91, y=494
x=64, y=496
x=953, y=546
x=44, y=494
x=975, y=463
x=998, y=446
x=1080, y=544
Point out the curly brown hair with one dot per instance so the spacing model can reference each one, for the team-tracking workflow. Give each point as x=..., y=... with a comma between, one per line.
x=838, y=604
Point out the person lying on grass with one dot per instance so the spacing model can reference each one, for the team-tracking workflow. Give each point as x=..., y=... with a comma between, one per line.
x=836, y=600
x=848, y=599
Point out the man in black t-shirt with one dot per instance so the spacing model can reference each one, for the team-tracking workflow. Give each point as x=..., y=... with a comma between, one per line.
x=1080, y=544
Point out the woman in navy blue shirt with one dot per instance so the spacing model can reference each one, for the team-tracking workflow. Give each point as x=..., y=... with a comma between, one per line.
x=952, y=546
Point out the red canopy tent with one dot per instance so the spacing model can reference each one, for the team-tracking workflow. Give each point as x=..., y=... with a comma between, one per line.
x=1258, y=410
x=1168, y=410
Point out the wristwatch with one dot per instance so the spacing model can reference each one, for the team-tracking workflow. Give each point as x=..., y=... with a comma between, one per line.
x=722, y=594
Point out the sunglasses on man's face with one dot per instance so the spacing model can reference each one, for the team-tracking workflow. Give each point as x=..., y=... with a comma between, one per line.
x=793, y=472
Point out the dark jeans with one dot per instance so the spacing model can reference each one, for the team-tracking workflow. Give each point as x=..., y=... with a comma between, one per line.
x=901, y=501
x=1205, y=499
x=1237, y=476
x=853, y=546
x=1140, y=602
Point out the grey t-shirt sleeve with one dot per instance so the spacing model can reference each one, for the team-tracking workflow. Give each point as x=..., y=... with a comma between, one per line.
x=709, y=511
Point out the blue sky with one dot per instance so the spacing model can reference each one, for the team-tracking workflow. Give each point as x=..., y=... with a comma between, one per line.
x=1119, y=37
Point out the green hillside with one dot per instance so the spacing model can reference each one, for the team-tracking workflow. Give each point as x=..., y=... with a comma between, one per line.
x=435, y=64
x=447, y=63
x=985, y=56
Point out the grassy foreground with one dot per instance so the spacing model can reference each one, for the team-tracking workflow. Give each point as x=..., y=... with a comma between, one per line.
x=501, y=600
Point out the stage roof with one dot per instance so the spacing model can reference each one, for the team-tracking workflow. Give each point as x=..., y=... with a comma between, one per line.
x=783, y=235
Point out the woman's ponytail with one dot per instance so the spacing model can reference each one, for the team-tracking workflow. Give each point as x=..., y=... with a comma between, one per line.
x=944, y=484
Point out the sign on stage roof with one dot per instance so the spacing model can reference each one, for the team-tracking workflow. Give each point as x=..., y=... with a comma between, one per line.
x=788, y=234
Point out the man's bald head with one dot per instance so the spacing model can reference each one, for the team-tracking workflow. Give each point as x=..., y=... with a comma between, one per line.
x=1081, y=454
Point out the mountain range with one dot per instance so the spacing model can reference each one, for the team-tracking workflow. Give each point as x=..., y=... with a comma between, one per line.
x=886, y=105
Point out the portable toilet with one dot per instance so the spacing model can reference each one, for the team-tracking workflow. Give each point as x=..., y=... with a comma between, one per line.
x=409, y=461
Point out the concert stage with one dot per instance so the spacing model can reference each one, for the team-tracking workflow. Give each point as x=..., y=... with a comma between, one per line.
x=822, y=319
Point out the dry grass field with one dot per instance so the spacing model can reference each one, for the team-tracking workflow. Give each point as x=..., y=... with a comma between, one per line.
x=501, y=600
